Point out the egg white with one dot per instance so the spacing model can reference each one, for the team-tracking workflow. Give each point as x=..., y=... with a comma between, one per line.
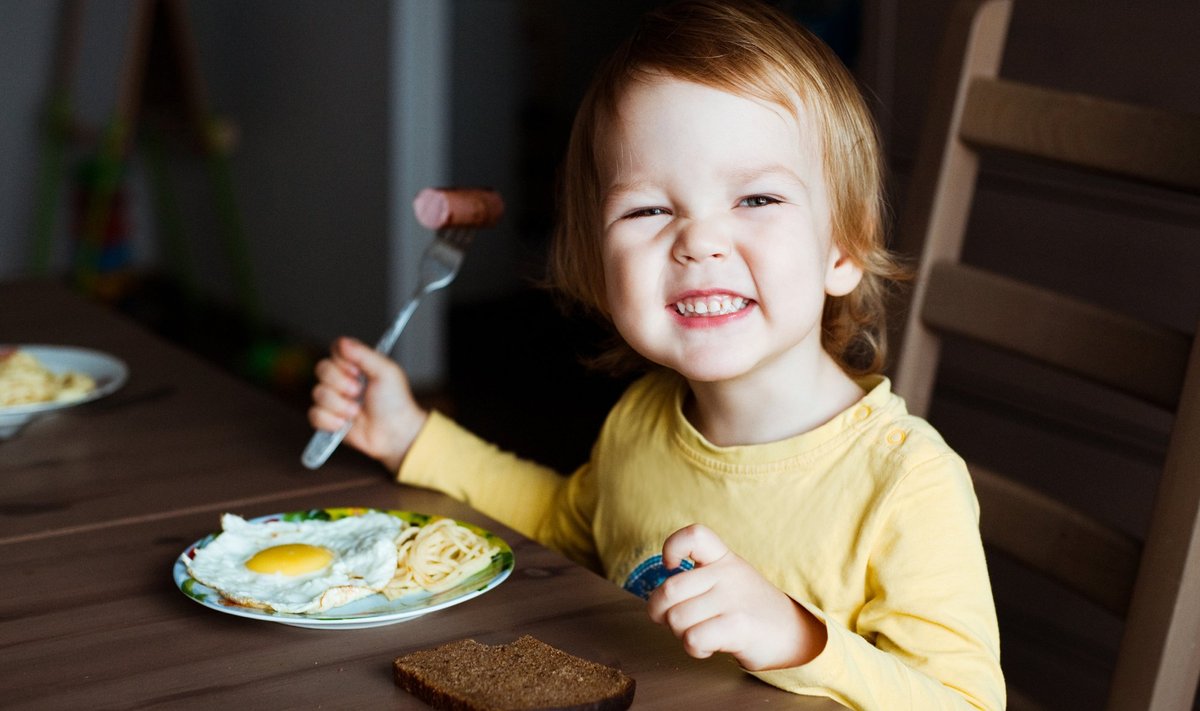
x=364, y=560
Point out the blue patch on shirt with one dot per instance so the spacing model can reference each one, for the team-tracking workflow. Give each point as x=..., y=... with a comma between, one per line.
x=650, y=574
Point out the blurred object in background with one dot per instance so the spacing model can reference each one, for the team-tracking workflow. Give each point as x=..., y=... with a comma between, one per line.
x=161, y=107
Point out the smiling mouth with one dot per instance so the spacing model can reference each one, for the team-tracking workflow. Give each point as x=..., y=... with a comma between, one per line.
x=709, y=306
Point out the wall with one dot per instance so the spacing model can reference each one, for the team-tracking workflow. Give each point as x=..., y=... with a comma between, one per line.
x=27, y=60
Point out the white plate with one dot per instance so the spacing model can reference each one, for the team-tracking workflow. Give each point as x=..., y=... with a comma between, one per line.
x=373, y=611
x=110, y=373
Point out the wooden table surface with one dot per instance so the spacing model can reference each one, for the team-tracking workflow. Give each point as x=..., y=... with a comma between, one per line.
x=96, y=505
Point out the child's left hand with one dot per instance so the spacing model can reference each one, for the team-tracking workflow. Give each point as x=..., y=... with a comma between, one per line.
x=725, y=605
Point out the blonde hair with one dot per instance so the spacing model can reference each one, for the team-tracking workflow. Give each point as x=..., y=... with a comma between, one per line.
x=753, y=50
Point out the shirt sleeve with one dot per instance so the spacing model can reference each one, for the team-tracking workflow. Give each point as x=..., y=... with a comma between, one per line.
x=927, y=637
x=534, y=500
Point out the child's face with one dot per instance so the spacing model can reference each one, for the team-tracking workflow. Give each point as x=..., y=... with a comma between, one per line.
x=718, y=251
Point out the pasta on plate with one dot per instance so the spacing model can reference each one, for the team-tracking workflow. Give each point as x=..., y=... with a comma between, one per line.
x=436, y=556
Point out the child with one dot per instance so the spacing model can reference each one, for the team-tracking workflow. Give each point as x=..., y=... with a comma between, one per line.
x=761, y=486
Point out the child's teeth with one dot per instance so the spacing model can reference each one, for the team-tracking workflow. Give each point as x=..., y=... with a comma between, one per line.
x=715, y=306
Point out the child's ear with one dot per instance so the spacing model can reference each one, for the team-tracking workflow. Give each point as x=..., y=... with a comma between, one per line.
x=842, y=273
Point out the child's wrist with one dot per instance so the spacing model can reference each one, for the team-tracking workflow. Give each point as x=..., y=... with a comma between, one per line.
x=403, y=438
x=813, y=638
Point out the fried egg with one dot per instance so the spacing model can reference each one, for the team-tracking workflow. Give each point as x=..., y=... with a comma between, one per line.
x=299, y=566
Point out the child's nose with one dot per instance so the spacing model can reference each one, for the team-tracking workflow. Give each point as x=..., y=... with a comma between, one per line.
x=699, y=240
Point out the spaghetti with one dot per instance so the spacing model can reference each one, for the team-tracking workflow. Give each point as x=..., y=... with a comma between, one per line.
x=437, y=556
x=24, y=380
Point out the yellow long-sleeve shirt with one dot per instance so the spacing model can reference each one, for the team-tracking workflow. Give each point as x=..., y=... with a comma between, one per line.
x=869, y=521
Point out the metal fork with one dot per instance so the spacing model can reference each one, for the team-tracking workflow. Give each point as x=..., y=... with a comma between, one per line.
x=439, y=265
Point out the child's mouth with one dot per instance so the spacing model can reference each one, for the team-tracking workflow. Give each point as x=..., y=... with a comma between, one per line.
x=709, y=306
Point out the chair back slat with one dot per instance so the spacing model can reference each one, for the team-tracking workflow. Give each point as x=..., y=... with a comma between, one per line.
x=1123, y=353
x=1152, y=145
x=1041, y=532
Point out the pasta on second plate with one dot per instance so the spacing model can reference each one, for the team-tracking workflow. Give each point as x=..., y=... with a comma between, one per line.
x=25, y=380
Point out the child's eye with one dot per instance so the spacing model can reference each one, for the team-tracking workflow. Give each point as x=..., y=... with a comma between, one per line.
x=758, y=201
x=647, y=212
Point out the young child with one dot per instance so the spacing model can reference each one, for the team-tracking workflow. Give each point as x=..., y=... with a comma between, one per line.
x=761, y=486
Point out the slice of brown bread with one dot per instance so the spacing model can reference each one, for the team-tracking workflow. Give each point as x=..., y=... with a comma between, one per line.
x=524, y=675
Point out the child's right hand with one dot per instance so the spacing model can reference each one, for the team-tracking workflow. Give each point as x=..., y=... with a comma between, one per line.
x=725, y=605
x=387, y=419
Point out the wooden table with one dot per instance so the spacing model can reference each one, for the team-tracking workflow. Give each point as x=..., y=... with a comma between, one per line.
x=97, y=504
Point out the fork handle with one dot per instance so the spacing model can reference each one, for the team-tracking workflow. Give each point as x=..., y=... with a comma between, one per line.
x=388, y=339
x=324, y=442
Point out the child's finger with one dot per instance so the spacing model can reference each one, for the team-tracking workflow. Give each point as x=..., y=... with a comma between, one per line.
x=371, y=362
x=683, y=605
x=340, y=364
x=322, y=419
x=696, y=542
x=707, y=637
x=675, y=591
x=339, y=377
x=348, y=348
x=329, y=410
x=333, y=401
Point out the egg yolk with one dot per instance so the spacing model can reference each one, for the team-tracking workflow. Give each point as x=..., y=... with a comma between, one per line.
x=290, y=559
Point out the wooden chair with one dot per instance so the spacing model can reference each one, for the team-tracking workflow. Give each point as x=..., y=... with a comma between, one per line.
x=1153, y=584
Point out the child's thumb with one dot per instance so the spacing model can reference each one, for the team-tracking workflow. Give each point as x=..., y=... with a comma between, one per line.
x=697, y=543
x=371, y=362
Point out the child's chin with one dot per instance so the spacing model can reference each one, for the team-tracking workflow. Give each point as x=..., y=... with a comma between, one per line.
x=711, y=371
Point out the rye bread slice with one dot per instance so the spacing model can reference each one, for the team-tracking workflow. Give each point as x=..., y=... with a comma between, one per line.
x=521, y=676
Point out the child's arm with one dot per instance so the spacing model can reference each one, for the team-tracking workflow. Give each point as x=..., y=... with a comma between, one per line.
x=533, y=499
x=386, y=421
x=725, y=605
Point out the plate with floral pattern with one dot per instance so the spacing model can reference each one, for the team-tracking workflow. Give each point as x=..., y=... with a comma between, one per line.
x=372, y=611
